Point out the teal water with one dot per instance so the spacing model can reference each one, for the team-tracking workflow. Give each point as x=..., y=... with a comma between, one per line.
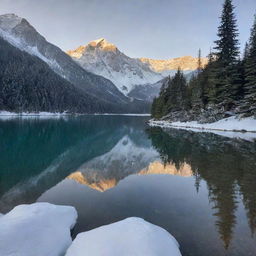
x=200, y=187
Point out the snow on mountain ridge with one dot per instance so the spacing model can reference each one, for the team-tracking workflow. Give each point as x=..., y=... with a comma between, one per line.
x=185, y=63
x=21, y=34
x=9, y=21
x=105, y=59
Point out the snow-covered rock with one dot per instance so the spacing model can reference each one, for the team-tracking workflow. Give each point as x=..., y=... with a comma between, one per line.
x=39, y=229
x=103, y=58
x=130, y=237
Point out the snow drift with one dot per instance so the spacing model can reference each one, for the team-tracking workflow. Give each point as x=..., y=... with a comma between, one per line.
x=39, y=229
x=244, y=128
x=132, y=236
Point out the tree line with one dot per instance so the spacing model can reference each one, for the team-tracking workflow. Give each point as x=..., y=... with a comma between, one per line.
x=226, y=86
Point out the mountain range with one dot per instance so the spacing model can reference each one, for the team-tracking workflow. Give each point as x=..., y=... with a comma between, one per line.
x=130, y=75
x=105, y=59
x=166, y=67
x=96, y=77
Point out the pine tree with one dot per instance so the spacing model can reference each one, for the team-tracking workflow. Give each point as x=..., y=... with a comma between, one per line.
x=227, y=45
x=227, y=52
x=199, y=63
x=250, y=72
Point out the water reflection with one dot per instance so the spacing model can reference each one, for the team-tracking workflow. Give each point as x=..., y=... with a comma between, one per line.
x=103, y=181
x=227, y=165
x=198, y=186
x=36, y=154
x=192, y=184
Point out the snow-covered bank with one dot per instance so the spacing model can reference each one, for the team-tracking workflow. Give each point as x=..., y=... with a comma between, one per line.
x=244, y=128
x=38, y=229
x=6, y=115
x=132, y=236
x=112, y=114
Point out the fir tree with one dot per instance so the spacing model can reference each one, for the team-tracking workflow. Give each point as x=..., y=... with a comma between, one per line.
x=227, y=45
x=199, y=63
x=250, y=72
x=227, y=52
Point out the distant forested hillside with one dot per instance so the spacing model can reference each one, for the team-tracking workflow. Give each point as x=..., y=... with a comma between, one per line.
x=225, y=87
x=28, y=84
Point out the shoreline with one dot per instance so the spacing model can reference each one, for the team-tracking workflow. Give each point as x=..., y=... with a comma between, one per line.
x=7, y=114
x=244, y=128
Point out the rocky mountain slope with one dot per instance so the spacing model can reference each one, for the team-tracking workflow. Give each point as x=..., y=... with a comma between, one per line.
x=27, y=84
x=137, y=78
x=147, y=91
x=22, y=35
x=105, y=59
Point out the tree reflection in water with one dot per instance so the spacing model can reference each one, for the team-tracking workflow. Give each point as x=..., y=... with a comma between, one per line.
x=227, y=165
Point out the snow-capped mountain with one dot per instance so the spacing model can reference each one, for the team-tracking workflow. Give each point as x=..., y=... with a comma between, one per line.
x=169, y=67
x=21, y=34
x=126, y=158
x=105, y=59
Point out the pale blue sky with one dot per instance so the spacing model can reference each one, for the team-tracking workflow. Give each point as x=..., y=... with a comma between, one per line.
x=159, y=29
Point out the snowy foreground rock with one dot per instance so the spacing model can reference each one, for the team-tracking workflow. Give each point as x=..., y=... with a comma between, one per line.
x=39, y=229
x=130, y=237
x=43, y=229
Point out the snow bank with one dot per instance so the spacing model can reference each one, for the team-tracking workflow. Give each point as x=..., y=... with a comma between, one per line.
x=230, y=127
x=6, y=115
x=38, y=229
x=113, y=114
x=132, y=236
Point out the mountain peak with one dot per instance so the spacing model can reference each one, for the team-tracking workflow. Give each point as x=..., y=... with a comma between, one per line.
x=9, y=21
x=102, y=44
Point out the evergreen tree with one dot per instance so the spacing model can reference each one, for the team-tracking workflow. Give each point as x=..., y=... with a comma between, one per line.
x=227, y=52
x=176, y=94
x=199, y=63
x=250, y=72
x=227, y=45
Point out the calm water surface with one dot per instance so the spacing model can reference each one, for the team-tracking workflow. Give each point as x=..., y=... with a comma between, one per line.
x=200, y=187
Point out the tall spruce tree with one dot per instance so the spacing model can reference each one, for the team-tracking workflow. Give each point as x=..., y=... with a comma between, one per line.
x=227, y=52
x=250, y=72
x=199, y=62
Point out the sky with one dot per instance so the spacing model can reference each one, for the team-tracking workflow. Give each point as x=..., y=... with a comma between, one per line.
x=159, y=29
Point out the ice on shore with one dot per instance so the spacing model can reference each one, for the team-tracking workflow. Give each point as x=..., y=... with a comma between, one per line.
x=38, y=229
x=130, y=237
x=6, y=115
x=229, y=127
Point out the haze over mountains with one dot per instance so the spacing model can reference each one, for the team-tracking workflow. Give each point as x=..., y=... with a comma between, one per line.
x=103, y=77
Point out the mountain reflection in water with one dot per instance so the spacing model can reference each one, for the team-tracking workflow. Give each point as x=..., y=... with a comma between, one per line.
x=97, y=181
x=198, y=186
x=213, y=199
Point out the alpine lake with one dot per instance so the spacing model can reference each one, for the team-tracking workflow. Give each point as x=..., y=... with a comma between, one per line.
x=199, y=186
